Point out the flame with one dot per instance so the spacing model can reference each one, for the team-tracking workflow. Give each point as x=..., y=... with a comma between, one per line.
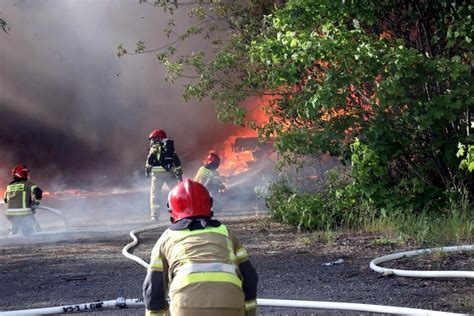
x=235, y=161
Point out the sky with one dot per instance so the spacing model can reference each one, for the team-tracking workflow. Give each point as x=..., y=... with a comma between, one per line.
x=74, y=112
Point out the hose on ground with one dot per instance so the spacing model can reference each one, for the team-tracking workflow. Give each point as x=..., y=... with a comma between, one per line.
x=124, y=303
x=422, y=274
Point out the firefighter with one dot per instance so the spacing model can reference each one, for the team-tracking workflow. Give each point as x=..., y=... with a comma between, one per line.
x=198, y=262
x=21, y=195
x=164, y=166
x=208, y=175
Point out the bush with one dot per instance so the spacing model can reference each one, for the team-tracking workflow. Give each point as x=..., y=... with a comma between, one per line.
x=329, y=208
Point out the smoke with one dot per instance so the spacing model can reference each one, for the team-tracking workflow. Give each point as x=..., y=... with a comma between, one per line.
x=79, y=117
x=74, y=112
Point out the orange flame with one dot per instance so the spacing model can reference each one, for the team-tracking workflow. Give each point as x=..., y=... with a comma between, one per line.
x=236, y=161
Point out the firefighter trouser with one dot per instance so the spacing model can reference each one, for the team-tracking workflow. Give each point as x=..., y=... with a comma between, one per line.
x=27, y=224
x=159, y=176
x=180, y=311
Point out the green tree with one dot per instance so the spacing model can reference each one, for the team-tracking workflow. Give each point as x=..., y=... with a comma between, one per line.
x=384, y=84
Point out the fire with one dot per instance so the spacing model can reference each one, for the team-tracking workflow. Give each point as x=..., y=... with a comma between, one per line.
x=235, y=160
x=232, y=161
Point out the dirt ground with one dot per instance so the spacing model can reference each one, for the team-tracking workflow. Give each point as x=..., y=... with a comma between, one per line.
x=87, y=265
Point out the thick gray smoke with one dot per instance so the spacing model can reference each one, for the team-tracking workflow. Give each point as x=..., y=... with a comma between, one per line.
x=74, y=112
x=79, y=117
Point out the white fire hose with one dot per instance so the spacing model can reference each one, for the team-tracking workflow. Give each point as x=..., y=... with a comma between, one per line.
x=422, y=274
x=123, y=303
x=54, y=211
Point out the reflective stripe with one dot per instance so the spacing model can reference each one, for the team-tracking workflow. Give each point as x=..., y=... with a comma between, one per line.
x=16, y=187
x=157, y=263
x=158, y=169
x=186, y=232
x=23, y=197
x=151, y=313
x=19, y=211
x=183, y=280
x=250, y=305
x=241, y=254
x=206, y=267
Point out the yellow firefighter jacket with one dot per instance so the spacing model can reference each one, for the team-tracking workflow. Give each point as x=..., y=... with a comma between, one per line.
x=200, y=265
x=209, y=178
x=20, y=195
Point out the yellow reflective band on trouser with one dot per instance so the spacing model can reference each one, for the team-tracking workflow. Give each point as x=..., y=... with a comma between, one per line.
x=18, y=211
x=152, y=313
x=156, y=264
x=158, y=169
x=249, y=305
x=183, y=280
x=241, y=254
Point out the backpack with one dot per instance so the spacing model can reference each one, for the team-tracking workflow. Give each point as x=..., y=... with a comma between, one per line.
x=167, y=154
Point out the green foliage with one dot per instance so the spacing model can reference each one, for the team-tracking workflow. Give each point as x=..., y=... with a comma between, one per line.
x=330, y=208
x=467, y=155
x=383, y=84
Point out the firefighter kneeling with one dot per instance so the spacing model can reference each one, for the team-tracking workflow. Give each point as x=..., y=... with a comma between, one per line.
x=198, y=262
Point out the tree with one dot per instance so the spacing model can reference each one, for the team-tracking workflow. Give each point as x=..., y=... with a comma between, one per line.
x=383, y=84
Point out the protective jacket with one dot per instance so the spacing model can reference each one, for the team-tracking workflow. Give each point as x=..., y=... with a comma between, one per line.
x=154, y=161
x=209, y=178
x=201, y=266
x=20, y=195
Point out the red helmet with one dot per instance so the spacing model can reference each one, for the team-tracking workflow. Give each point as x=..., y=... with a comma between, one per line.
x=157, y=133
x=20, y=172
x=213, y=159
x=189, y=198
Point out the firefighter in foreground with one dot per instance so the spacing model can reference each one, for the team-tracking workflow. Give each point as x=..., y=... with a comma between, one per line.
x=208, y=175
x=164, y=166
x=20, y=196
x=198, y=262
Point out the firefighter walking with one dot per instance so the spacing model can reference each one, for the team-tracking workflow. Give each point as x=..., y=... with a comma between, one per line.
x=198, y=262
x=20, y=196
x=164, y=166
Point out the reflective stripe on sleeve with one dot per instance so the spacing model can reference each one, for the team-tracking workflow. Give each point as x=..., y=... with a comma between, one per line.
x=249, y=305
x=18, y=211
x=241, y=254
x=181, y=281
x=156, y=264
x=152, y=313
x=193, y=267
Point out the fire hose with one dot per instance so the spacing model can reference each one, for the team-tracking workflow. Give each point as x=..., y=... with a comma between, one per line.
x=54, y=211
x=124, y=303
